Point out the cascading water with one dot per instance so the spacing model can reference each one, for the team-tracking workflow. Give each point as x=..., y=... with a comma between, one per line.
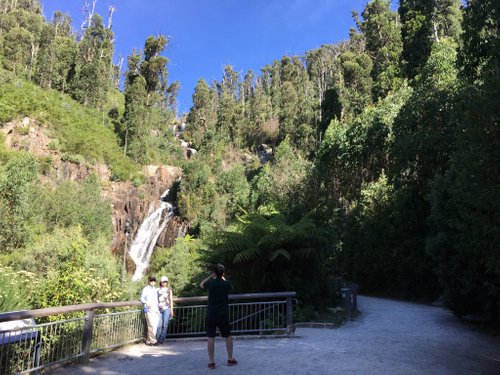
x=147, y=235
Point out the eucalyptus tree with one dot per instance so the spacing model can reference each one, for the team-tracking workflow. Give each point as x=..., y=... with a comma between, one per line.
x=93, y=75
x=416, y=29
x=135, y=117
x=425, y=125
x=58, y=53
x=149, y=101
x=202, y=117
x=355, y=86
x=423, y=23
x=321, y=68
x=382, y=32
x=21, y=24
x=297, y=101
x=227, y=123
x=154, y=69
x=262, y=129
x=245, y=94
x=423, y=144
x=275, y=87
x=446, y=19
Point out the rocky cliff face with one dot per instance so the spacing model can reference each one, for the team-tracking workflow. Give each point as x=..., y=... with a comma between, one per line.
x=134, y=204
x=128, y=202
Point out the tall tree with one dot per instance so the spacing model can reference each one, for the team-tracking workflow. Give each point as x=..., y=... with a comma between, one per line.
x=21, y=24
x=202, y=116
x=154, y=68
x=382, y=32
x=227, y=107
x=321, y=69
x=423, y=23
x=465, y=200
x=136, y=127
x=356, y=85
x=416, y=17
x=446, y=19
x=58, y=53
x=149, y=100
x=93, y=73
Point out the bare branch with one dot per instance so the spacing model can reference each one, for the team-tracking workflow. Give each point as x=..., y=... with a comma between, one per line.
x=111, y=9
x=88, y=13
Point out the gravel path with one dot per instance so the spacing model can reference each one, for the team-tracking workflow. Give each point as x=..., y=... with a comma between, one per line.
x=390, y=337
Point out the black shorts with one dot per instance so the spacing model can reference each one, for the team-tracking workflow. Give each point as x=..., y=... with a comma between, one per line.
x=221, y=321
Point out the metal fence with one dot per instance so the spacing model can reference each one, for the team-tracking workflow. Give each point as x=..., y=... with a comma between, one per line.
x=31, y=346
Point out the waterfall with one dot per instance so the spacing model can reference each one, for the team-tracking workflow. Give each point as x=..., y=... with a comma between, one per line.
x=144, y=242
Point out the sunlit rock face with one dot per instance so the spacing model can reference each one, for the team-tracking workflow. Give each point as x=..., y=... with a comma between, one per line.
x=135, y=204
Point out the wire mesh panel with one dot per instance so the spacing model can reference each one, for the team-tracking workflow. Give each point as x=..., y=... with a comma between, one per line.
x=258, y=317
x=116, y=329
x=251, y=317
x=188, y=321
x=40, y=345
x=18, y=350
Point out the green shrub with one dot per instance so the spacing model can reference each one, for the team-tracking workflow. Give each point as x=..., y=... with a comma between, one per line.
x=54, y=145
x=13, y=287
x=22, y=130
x=72, y=158
x=83, y=206
x=44, y=164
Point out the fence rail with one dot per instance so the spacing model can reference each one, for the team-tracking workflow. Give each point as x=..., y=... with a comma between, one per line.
x=33, y=346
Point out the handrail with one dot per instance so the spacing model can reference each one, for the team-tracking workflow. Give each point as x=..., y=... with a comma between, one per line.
x=238, y=296
x=37, y=313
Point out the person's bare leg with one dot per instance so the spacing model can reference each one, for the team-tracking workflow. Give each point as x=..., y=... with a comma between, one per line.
x=211, y=349
x=229, y=347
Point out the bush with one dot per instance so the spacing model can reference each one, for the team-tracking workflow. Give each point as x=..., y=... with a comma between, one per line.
x=83, y=205
x=13, y=289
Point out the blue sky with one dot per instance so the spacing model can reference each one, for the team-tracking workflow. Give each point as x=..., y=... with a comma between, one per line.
x=205, y=35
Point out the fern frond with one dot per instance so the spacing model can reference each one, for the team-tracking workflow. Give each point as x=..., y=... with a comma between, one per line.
x=276, y=253
x=247, y=255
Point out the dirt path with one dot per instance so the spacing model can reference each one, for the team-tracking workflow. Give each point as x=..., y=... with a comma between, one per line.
x=390, y=337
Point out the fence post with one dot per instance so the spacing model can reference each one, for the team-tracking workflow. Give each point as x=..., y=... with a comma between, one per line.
x=87, y=335
x=354, y=293
x=346, y=293
x=289, y=318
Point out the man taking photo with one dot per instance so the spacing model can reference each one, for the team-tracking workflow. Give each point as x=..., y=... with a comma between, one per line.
x=218, y=313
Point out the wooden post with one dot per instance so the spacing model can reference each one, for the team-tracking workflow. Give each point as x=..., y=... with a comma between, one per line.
x=289, y=318
x=346, y=293
x=87, y=335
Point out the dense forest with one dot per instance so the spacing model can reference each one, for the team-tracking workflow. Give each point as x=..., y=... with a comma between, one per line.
x=383, y=160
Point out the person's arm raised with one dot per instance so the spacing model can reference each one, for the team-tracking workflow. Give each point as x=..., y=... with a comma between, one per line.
x=202, y=284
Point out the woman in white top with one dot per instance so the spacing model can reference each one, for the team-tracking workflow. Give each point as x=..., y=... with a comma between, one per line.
x=166, y=305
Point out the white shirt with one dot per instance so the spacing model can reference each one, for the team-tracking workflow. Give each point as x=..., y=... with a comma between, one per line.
x=149, y=296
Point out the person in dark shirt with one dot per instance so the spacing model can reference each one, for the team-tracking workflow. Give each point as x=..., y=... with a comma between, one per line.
x=218, y=313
